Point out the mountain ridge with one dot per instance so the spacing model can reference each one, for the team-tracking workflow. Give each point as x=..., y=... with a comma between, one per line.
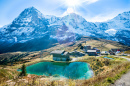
x=31, y=24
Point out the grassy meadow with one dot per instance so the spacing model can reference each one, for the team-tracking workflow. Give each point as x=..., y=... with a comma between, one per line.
x=106, y=71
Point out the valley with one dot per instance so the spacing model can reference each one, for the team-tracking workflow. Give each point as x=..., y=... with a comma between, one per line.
x=104, y=70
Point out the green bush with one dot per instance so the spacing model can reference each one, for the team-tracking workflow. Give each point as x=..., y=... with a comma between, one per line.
x=123, y=72
x=106, y=62
x=56, y=75
x=102, y=69
x=117, y=77
x=128, y=67
x=99, y=64
x=96, y=73
x=110, y=80
x=95, y=67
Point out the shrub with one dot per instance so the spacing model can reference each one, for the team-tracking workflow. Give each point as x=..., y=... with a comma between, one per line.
x=96, y=73
x=102, y=69
x=99, y=64
x=106, y=62
x=71, y=83
x=110, y=80
x=117, y=77
x=95, y=67
x=56, y=75
x=128, y=67
x=123, y=72
x=53, y=83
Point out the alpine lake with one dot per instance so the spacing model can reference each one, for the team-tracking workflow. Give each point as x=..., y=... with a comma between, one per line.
x=74, y=70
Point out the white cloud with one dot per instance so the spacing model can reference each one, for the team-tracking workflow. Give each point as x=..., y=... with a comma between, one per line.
x=87, y=1
x=79, y=2
x=1, y=26
x=75, y=3
x=91, y=1
x=101, y=17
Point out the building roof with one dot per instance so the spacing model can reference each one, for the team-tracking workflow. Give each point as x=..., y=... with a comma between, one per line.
x=95, y=48
x=91, y=51
x=87, y=46
x=65, y=53
x=118, y=49
x=62, y=52
x=58, y=52
x=76, y=52
x=104, y=52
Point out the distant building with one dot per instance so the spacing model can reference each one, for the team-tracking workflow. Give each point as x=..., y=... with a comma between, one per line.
x=77, y=54
x=104, y=53
x=60, y=55
x=94, y=48
x=118, y=51
x=87, y=47
x=92, y=52
x=115, y=50
x=97, y=50
x=111, y=52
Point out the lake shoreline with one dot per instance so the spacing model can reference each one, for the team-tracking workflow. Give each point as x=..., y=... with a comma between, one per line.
x=70, y=70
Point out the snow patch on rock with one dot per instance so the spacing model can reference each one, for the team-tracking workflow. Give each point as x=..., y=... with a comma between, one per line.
x=111, y=32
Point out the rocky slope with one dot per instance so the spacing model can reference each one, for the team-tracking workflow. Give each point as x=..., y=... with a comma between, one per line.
x=117, y=29
x=32, y=25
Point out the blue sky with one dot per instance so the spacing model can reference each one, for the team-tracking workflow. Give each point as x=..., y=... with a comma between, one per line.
x=91, y=10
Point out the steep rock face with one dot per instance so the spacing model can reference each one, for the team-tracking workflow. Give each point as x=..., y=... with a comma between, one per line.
x=78, y=24
x=121, y=22
x=63, y=35
x=31, y=24
x=123, y=36
x=28, y=25
x=117, y=29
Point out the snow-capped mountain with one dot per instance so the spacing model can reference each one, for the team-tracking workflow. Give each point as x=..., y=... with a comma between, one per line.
x=71, y=26
x=78, y=24
x=28, y=25
x=120, y=22
x=117, y=29
x=123, y=36
x=31, y=25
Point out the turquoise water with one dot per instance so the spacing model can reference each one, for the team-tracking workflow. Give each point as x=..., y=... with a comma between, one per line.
x=75, y=70
x=108, y=58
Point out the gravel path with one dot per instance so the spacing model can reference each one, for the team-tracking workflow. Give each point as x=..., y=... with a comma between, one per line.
x=125, y=79
x=126, y=58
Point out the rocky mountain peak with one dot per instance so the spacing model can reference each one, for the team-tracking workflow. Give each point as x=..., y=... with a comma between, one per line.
x=123, y=16
x=28, y=15
x=32, y=24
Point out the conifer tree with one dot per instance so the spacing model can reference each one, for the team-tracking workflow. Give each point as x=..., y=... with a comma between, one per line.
x=23, y=72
